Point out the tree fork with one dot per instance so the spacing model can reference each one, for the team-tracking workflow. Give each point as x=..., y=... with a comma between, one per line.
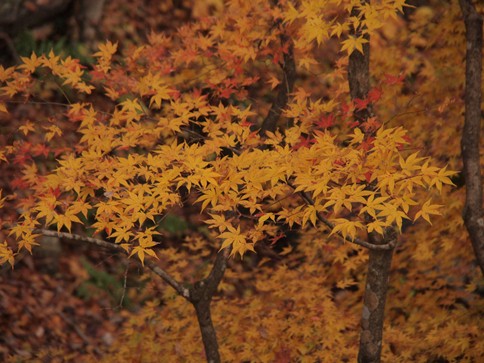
x=201, y=297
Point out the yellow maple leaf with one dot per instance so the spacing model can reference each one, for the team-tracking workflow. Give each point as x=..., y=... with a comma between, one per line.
x=6, y=254
x=25, y=129
x=353, y=43
x=273, y=81
x=218, y=221
x=31, y=64
x=427, y=210
x=52, y=131
x=235, y=238
x=106, y=50
x=393, y=214
x=346, y=227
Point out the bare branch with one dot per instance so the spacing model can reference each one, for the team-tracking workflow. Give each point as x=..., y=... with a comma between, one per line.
x=183, y=291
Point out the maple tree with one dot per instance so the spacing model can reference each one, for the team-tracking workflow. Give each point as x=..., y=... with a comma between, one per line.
x=222, y=119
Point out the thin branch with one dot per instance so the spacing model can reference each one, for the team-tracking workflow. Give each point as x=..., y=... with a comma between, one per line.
x=183, y=291
x=80, y=333
x=11, y=47
x=218, y=270
x=125, y=283
x=407, y=113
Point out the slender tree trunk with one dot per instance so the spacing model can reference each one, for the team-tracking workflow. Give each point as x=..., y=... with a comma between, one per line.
x=201, y=296
x=283, y=89
x=90, y=15
x=207, y=329
x=473, y=210
x=379, y=261
x=376, y=288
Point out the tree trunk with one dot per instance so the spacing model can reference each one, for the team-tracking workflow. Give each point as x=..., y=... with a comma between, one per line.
x=473, y=210
x=90, y=15
x=283, y=90
x=201, y=296
x=379, y=261
x=209, y=337
x=376, y=288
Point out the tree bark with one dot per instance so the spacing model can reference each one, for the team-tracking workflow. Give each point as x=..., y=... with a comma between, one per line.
x=379, y=261
x=207, y=329
x=89, y=18
x=201, y=296
x=376, y=287
x=473, y=210
x=283, y=90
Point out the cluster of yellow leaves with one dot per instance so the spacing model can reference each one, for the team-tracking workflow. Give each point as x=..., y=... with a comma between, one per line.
x=162, y=140
x=69, y=70
x=165, y=142
x=319, y=21
x=293, y=322
x=105, y=55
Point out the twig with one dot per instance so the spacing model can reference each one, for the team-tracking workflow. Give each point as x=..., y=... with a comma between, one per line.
x=182, y=291
x=80, y=333
x=125, y=281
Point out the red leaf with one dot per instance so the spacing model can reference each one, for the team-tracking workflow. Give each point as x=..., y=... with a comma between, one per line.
x=325, y=122
x=361, y=104
x=246, y=123
x=374, y=94
x=370, y=125
x=345, y=108
x=367, y=144
x=55, y=192
x=368, y=175
x=304, y=142
x=339, y=162
x=352, y=124
x=40, y=149
x=389, y=79
x=19, y=183
x=277, y=238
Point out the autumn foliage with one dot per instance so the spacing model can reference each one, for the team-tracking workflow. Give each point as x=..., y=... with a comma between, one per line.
x=179, y=126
